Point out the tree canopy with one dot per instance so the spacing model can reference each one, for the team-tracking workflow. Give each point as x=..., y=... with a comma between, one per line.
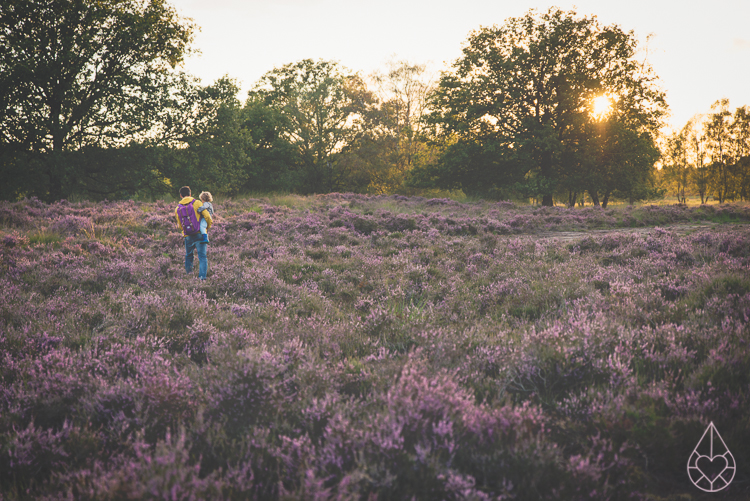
x=84, y=73
x=517, y=102
x=317, y=107
x=550, y=105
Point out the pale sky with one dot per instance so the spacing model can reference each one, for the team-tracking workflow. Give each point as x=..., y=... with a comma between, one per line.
x=700, y=50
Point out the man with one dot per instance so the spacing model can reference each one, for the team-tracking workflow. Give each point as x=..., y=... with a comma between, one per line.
x=188, y=221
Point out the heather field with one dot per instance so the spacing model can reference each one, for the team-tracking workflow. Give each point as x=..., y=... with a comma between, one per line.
x=355, y=347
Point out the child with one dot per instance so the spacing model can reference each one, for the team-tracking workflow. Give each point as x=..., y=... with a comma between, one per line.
x=206, y=198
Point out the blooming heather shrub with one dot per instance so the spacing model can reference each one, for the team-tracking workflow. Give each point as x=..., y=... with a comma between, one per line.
x=245, y=389
x=159, y=221
x=362, y=224
x=165, y=471
x=69, y=225
x=31, y=453
x=14, y=239
x=400, y=222
x=497, y=292
x=353, y=346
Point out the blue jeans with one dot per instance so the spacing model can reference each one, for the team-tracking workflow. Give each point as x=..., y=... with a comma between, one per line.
x=195, y=242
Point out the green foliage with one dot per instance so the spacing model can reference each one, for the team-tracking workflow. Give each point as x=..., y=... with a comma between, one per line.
x=275, y=160
x=365, y=225
x=395, y=138
x=83, y=73
x=24, y=173
x=215, y=146
x=520, y=96
x=316, y=107
x=476, y=168
x=675, y=173
x=91, y=108
x=710, y=156
x=44, y=238
x=727, y=285
x=623, y=163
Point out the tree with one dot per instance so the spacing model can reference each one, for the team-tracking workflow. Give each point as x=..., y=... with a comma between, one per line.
x=718, y=138
x=631, y=156
x=676, y=170
x=80, y=73
x=275, y=160
x=318, y=107
x=740, y=130
x=396, y=128
x=210, y=145
x=741, y=150
x=694, y=138
x=721, y=137
x=616, y=160
x=524, y=91
x=116, y=172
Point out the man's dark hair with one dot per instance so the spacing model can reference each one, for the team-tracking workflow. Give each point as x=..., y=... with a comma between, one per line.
x=185, y=191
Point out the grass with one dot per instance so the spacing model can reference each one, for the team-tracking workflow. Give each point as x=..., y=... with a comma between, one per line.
x=44, y=237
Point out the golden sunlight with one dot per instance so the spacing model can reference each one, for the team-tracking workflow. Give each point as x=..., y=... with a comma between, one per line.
x=602, y=106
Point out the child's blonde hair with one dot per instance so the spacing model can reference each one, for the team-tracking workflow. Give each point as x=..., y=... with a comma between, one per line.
x=206, y=196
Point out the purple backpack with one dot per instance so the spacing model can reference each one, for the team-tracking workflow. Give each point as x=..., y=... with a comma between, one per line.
x=188, y=220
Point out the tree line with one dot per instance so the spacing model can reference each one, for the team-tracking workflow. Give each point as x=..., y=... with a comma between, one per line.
x=93, y=105
x=709, y=156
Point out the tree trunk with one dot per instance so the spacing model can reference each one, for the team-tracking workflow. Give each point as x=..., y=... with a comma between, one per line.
x=55, y=163
x=55, y=188
x=605, y=200
x=546, y=171
x=594, y=198
x=572, y=197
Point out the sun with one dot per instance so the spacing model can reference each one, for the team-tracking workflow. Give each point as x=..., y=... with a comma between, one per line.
x=602, y=106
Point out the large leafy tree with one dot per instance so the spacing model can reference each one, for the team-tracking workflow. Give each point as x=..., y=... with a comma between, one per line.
x=203, y=131
x=81, y=73
x=275, y=160
x=315, y=106
x=396, y=129
x=517, y=102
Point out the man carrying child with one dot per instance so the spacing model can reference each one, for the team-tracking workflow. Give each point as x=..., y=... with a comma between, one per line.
x=188, y=214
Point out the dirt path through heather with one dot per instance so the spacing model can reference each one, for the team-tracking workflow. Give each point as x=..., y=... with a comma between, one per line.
x=680, y=229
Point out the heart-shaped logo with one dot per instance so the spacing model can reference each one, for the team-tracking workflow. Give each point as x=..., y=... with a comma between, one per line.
x=712, y=468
